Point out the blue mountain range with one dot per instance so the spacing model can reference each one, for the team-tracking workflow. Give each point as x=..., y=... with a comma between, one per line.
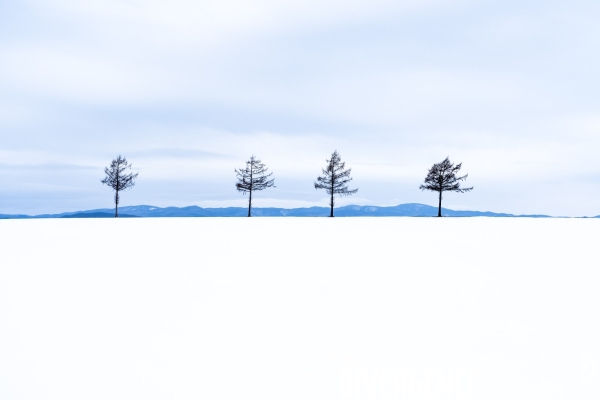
x=402, y=210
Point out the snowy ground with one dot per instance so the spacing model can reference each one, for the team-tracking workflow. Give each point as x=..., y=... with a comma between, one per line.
x=306, y=308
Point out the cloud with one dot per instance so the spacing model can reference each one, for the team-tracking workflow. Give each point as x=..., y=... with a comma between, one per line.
x=178, y=153
x=46, y=167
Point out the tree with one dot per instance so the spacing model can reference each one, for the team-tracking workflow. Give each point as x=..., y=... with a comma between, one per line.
x=442, y=178
x=335, y=179
x=117, y=179
x=253, y=177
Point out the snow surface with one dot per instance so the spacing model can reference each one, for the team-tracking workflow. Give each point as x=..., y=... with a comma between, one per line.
x=302, y=308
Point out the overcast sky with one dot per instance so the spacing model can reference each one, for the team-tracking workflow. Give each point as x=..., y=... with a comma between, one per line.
x=188, y=90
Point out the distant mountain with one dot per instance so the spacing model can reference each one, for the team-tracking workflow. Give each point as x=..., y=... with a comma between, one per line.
x=14, y=216
x=402, y=210
x=97, y=215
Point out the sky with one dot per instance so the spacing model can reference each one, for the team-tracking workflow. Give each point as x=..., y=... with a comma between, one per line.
x=187, y=91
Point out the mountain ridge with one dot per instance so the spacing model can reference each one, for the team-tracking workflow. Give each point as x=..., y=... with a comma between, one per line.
x=148, y=211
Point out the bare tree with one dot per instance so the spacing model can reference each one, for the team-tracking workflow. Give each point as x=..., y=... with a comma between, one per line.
x=442, y=178
x=253, y=177
x=117, y=179
x=335, y=179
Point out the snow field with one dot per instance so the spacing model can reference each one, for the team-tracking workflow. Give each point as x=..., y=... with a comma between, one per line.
x=299, y=308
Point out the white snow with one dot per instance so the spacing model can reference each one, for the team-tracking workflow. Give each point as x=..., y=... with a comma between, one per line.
x=299, y=308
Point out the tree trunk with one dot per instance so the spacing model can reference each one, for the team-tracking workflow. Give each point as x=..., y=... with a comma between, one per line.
x=250, y=197
x=250, y=204
x=331, y=201
x=440, y=205
x=116, y=204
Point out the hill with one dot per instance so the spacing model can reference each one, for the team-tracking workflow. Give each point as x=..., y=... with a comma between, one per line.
x=402, y=210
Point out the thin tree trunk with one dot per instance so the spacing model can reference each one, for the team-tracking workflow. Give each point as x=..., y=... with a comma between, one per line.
x=250, y=197
x=117, y=195
x=440, y=205
x=331, y=201
x=331, y=204
x=250, y=204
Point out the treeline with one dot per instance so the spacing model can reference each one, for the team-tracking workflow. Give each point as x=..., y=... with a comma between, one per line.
x=255, y=176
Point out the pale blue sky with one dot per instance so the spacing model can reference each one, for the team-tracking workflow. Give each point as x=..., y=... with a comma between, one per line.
x=188, y=90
